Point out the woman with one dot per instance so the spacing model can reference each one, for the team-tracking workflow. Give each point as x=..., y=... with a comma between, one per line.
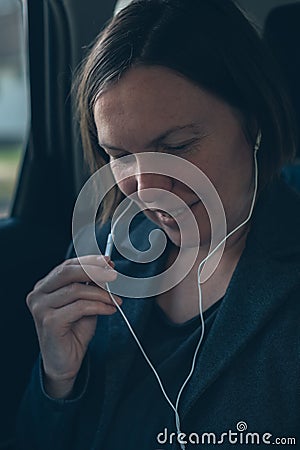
x=190, y=79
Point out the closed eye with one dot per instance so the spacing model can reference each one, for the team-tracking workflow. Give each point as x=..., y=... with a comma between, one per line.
x=122, y=159
x=119, y=155
x=178, y=148
x=115, y=154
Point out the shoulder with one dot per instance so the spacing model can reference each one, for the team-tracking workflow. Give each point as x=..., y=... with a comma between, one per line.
x=276, y=221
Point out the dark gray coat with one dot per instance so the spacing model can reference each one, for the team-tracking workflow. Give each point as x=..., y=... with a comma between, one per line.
x=248, y=369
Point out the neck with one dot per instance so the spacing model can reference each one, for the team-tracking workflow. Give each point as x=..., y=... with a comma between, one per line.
x=233, y=247
x=182, y=301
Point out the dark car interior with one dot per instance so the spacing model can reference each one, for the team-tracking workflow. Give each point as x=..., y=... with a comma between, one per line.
x=35, y=236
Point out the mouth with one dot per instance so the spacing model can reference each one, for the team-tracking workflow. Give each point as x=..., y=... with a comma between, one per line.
x=173, y=213
x=169, y=218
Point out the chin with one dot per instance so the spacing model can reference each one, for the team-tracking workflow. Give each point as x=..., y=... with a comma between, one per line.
x=187, y=238
x=182, y=240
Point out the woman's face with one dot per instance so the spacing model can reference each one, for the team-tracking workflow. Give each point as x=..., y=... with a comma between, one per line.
x=153, y=109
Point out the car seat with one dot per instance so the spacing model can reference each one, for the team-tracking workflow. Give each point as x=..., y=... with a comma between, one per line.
x=282, y=34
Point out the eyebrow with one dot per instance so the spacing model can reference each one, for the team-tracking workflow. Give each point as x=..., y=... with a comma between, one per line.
x=196, y=127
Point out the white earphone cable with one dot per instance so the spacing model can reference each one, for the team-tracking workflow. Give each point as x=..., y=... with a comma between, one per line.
x=175, y=407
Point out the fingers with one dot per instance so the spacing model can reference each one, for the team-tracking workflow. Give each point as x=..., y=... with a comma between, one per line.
x=75, y=291
x=65, y=310
x=80, y=270
x=99, y=260
x=73, y=312
x=66, y=285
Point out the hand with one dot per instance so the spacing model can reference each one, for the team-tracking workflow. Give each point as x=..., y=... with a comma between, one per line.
x=65, y=311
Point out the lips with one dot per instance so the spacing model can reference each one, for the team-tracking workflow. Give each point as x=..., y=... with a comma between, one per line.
x=169, y=217
x=172, y=213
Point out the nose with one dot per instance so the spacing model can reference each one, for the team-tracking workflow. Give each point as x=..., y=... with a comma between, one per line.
x=147, y=185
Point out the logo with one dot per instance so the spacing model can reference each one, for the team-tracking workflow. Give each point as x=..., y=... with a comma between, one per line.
x=164, y=165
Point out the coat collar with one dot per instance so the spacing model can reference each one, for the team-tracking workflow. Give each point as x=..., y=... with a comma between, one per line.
x=259, y=286
x=268, y=271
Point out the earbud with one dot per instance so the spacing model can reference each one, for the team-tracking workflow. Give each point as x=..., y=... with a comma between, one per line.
x=258, y=141
x=110, y=239
x=109, y=245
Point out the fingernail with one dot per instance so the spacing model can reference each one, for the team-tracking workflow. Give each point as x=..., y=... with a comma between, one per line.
x=109, y=269
x=111, y=275
x=119, y=300
x=102, y=258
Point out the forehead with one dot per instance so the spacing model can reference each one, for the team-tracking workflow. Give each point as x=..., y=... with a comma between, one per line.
x=154, y=84
x=148, y=100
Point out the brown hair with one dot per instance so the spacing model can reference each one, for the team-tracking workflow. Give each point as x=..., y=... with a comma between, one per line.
x=211, y=43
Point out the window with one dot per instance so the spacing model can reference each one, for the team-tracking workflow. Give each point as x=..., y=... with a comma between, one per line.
x=14, y=104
